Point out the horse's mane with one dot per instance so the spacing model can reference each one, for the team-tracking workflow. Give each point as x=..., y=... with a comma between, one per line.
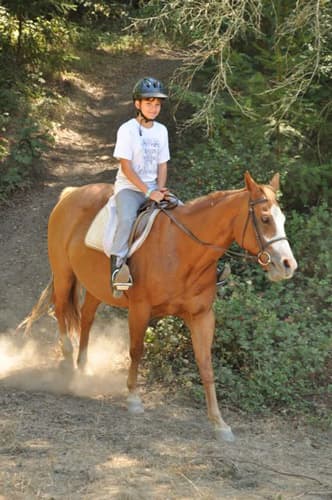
x=214, y=198
x=217, y=197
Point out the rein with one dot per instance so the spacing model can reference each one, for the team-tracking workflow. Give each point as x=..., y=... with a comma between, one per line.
x=263, y=257
x=195, y=238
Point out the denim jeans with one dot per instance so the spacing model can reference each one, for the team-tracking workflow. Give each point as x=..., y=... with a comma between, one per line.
x=127, y=203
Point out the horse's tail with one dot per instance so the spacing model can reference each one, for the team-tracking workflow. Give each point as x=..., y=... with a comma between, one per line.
x=45, y=305
x=72, y=312
x=42, y=306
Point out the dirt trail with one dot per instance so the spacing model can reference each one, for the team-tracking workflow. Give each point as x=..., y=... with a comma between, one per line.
x=70, y=437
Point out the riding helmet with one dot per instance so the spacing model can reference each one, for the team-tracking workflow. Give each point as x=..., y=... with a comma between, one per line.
x=149, y=87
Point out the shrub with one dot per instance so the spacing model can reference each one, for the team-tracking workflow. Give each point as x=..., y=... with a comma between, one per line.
x=20, y=162
x=218, y=164
x=272, y=343
x=271, y=348
x=308, y=186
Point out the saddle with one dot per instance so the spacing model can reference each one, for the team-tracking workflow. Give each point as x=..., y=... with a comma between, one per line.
x=142, y=226
x=145, y=212
x=101, y=231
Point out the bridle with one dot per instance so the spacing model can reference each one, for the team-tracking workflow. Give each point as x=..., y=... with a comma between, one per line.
x=263, y=257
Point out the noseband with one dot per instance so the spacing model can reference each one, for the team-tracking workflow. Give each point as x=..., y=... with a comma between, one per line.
x=263, y=257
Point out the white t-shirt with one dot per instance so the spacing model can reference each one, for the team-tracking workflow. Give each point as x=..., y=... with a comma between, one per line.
x=145, y=151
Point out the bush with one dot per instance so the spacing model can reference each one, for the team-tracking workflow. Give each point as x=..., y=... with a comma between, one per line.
x=20, y=157
x=311, y=238
x=269, y=356
x=308, y=186
x=272, y=343
x=217, y=164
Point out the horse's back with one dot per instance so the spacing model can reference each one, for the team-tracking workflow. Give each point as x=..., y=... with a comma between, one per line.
x=73, y=214
x=80, y=203
x=87, y=197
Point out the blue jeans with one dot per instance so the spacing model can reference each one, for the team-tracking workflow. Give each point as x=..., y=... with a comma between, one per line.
x=127, y=203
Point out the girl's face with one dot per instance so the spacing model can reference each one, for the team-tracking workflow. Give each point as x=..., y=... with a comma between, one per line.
x=150, y=107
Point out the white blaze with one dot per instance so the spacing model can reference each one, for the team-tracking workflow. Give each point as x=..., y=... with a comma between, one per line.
x=281, y=246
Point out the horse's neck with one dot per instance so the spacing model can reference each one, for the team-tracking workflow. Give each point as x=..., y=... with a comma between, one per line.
x=212, y=218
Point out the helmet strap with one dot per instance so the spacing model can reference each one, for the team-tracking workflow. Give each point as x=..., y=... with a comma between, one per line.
x=142, y=118
x=139, y=113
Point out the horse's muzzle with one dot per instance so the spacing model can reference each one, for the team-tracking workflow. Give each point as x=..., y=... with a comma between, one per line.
x=281, y=268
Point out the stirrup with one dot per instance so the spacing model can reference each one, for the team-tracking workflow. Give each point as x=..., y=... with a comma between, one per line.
x=121, y=279
x=223, y=275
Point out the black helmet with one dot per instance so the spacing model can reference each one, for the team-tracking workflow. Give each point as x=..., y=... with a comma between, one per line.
x=149, y=87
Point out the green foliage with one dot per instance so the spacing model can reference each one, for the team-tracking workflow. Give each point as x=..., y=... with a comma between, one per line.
x=272, y=344
x=311, y=237
x=270, y=356
x=308, y=186
x=20, y=162
x=264, y=356
x=255, y=89
x=38, y=41
x=267, y=61
x=99, y=13
x=169, y=352
x=214, y=165
x=36, y=8
x=261, y=102
x=34, y=50
x=31, y=142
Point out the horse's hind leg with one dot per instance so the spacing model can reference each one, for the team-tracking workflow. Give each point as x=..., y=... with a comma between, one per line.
x=138, y=321
x=65, y=311
x=88, y=312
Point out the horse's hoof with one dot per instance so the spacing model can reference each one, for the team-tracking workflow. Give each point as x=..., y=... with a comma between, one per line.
x=85, y=369
x=134, y=405
x=67, y=366
x=225, y=434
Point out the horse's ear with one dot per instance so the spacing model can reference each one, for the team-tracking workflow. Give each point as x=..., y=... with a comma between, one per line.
x=275, y=182
x=250, y=183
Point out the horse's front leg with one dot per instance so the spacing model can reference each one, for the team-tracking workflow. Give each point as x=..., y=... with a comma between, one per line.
x=202, y=328
x=138, y=317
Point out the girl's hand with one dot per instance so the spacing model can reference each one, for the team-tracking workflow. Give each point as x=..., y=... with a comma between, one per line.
x=157, y=195
x=165, y=192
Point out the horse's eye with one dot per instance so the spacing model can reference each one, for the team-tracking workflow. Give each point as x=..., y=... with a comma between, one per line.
x=265, y=219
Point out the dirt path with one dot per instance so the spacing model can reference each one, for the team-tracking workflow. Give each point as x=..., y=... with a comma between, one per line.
x=70, y=437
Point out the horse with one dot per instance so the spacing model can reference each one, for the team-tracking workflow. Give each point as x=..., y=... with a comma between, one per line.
x=174, y=271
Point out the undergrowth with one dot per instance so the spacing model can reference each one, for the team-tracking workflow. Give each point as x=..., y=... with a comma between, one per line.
x=272, y=348
x=272, y=343
x=32, y=95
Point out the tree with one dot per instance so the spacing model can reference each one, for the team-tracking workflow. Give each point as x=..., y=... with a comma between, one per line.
x=25, y=10
x=270, y=59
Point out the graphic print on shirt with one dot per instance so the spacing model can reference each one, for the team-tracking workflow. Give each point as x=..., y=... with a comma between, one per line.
x=151, y=147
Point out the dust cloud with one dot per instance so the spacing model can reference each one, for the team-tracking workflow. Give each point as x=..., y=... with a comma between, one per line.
x=34, y=363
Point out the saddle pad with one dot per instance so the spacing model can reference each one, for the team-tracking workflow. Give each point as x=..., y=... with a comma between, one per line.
x=95, y=236
x=101, y=231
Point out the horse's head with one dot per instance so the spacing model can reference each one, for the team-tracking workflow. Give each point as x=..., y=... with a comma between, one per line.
x=263, y=232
